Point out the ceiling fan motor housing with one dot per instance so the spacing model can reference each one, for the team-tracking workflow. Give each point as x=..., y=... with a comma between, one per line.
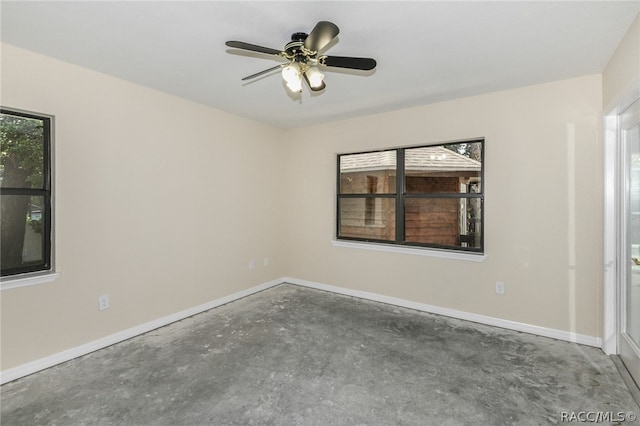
x=299, y=36
x=295, y=48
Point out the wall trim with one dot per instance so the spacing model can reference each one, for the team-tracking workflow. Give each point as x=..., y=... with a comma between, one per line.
x=23, y=370
x=25, y=280
x=439, y=310
x=442, y=254
x=613, y=270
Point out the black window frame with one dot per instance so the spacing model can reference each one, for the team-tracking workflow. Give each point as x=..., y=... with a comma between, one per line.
x=400, y=196
x=46, y=191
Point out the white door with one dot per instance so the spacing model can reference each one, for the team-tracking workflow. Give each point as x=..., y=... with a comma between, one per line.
x=629, y=308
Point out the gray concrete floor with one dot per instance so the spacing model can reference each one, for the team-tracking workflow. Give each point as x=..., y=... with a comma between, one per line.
x=297, y=356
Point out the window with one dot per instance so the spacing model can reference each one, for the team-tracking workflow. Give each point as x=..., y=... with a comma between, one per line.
x=428, y=196
x=25, y=190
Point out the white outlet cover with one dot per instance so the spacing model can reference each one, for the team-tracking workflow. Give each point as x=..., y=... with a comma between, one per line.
x=103, y=302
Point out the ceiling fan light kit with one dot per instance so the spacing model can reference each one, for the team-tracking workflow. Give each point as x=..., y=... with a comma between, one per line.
x=291, y=76
x=314, y=78
x=304, y=62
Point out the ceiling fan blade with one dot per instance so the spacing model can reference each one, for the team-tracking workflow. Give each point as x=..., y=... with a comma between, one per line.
x=321, y=35
x=253, y=47
x=365, y=64
x=258, y=74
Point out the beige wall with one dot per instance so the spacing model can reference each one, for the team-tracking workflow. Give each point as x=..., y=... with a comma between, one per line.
x=144, y=181
x=160, y=203
x=622, y=73
x=543, y=206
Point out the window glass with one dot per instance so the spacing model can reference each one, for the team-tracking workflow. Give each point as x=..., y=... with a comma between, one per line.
x=449, y=221
x=20, y=230
x=22, y=161
x=452, y=168
x=371, y=218
x=368, y=173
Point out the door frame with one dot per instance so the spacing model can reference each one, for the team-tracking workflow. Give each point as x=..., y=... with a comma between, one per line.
x=613, y=205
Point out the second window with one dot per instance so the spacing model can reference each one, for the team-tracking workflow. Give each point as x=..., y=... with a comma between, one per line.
x=427, y=196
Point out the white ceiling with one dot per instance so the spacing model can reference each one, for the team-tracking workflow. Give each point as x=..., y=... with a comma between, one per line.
x=427, y=51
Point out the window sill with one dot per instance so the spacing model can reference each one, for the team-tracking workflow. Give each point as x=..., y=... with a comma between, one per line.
x=8, y=283
x=472, y=257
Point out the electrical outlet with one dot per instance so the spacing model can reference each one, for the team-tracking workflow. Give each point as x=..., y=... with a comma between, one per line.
x=103, y=302
x=252, y=264
x=500, y=287
x=265, y=261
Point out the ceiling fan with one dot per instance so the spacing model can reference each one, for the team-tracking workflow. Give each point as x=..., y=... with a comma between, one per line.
x=303, y=60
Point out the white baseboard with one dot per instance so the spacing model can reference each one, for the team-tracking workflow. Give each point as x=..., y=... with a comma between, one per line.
x=69, y=354
x=482, y=319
